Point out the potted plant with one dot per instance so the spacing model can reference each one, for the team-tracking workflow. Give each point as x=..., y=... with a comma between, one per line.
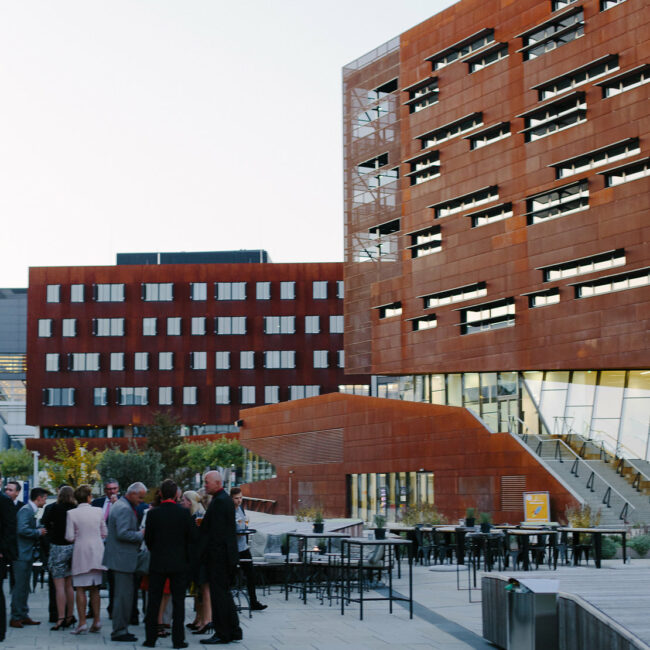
x=380, y=530
x=470, y=514
x=486, y=522
x=318, y=521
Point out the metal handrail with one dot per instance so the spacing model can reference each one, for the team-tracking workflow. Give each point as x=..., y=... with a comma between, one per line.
x=638, y=477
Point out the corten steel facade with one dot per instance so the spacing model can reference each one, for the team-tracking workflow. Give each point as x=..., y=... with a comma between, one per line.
x=319, y=445
x=497, y=191
x=198, y=340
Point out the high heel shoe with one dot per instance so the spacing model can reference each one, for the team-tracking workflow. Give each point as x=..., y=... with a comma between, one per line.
x=60, y=624
x=69, y=621
x=80, y=629
x=208, y=627
x=95, y=627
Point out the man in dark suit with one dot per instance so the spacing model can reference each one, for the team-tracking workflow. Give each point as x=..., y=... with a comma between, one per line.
x=168, y=533
x=8, y=552
x=12, y=490
x=218, y=540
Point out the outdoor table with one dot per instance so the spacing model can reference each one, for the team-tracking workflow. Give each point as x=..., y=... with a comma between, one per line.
x=483, y=539
x=390, y=545
x=526, y=534
x=459, y=532
x=598, y=540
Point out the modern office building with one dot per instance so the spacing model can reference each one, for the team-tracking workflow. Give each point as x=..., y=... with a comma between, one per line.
x=110, y=346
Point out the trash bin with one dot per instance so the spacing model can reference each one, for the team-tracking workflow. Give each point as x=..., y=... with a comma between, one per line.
x=532, y=614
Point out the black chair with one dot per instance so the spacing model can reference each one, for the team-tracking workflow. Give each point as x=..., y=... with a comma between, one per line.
x=423, y=545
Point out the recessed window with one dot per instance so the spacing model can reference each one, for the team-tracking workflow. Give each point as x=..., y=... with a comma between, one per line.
x=165, y=361
x=488, y=316
x=424, y=93
x=100, y=396
x=555, y=116
x=198, y=360
x=174, y=326
x=340, y=289
x=287, y=290
x=319, y=290
x=117, y=361
x=198, y=291
x=76, y=293
x=225, y=325
x=381, y=91
x=354, y=389
x=577, y=77
x=612, y=283
x=58, y=396
x=198, y=325
x=497, y=213
x=461, y=49
x=552, y=34
x=608, y=4
x=584, y=265
x=321, y=359
x=52, y=362
x=558, y=202
x=108, y=326
x=157, y=291
x=271, y=394
x=489, y=135
x=280, y=359
x=132, y=396
x=312, y=324
x=459, y=294
x=263, y=291
x=380, y=241
x=69, y=327
x=141, y=361
x=560, y=4
x=465, y=202
x=279, y=324
x=165, y=395
x=603, y=156
x=44, y=327
x=451, y=130
x=425, y=242
x=83, y=361
x=246, y=359
x=247, y=394
x=149, y=326
x=190, y=395
x=491, y=55
x=230, y=291
x=544, y=298
x=627, y=173
x=53, y=293
x=371, y=165
x=336, y=324
x=390, y=310
x=222, y=360
x=108, y=292
x=626, y=81
x=424, y=168
x=222, y=394
x=300, y=392
x=424, y=323
x=340, y=359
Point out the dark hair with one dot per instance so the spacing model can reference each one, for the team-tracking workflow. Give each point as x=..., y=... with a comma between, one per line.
x=234, y=491
x=17, y=484
x=66, y=496
x=110, y=481
x=168, y=489
x=82, y=493
x=37, y=492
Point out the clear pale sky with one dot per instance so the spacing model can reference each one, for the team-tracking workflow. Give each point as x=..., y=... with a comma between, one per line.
x=168, y=125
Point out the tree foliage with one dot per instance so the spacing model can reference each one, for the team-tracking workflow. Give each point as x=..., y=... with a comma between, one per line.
x=127, y=467
x=73, y=467
x=16, y=463
x=164, y=437
x=199, y=456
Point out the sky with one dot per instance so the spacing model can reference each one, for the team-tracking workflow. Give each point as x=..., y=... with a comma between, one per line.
x=177, y=125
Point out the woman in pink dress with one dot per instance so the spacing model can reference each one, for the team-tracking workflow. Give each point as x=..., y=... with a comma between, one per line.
x=86, y=528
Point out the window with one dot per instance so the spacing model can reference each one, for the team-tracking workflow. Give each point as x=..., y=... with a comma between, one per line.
x=340, y=359
x=560, y=4
x=300, y=392
x=467, y=292
x=108, y=326
x=279, y=324
x=157, y=291
x=149, y=326
x=608, y=4
x=287, y=290
x=577, y=77
x=555, y=116
x=100, y=396
x=340, y=289
x=424, y=322
x=388, y=311
x=319, y=290
x=424, y=168
x=312, y=324
x=488, y=316
x=379, y=241
x=133, y=396
x=230, y=291
x=246, y=359
x=165, y=395
x=271, y=394
x=198, y=325
x=53, y=293
x=497, y=213
x=141, y=361
x=451, y=130
x=489, y=56
x=626, y=81
x=354, y=389
x=44, y=327
x=190, y=395
x=174, y=326
x=544, y=298
x=165, y=361
x=222, y=360
x=627, y=173
x=558, y=202
x=320, y=359
x=198, y=291
x=336, y=324
x=58, y=396
x=465, y=202
x=198, y=360
x=247, y=394
x=108, y=292
x=584, y=265
x=280, y=359
x=69, y=327
x=598, y=157
x=230, y=325
x=553, y=33
x=80, y=361
x=222, y=394
x=461, y=49
x=422, y=94
x=52, y=362
x=372, y=164
x=263, y=291
x=76, y=293
x=117, y=361
x=622, y=282
x=489, y=135
x=424, y=242
x=381, y=91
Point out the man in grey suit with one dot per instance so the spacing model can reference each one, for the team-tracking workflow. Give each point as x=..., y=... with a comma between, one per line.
x=121, y=556
x=28, y=534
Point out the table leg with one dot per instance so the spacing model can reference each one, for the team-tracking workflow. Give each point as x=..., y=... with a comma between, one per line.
x=624, y=548
x=526, y=551
x=410, y=585
x=575, y=542
x=361, y=584
x=598, y=545
x=390, y=579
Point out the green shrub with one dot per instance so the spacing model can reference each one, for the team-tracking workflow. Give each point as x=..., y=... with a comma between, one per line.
x=641, y=544
x=609, y=547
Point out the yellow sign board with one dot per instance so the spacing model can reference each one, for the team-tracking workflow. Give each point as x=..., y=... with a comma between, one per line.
x=537, y=507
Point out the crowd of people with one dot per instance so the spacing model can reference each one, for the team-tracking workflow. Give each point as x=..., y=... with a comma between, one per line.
x=180, y=541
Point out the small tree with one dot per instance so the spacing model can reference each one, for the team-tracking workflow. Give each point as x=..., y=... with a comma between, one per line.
x=73, y=467
x=196, y=457
x=16, y=463
x=127, y=467
x=164, y=437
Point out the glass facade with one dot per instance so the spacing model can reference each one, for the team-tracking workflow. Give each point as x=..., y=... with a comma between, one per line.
x=611, y=407
x=256, y=468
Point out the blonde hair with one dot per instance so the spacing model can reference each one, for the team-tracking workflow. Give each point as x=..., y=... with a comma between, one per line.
x=194, y=498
